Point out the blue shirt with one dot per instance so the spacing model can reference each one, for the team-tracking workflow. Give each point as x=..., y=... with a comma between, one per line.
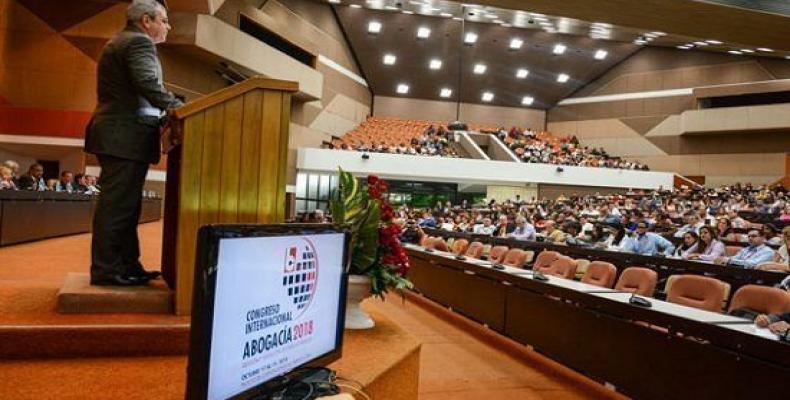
x=648, y=244
x=751, y=256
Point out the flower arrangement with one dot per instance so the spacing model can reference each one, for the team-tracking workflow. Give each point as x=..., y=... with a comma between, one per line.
x=376, y=250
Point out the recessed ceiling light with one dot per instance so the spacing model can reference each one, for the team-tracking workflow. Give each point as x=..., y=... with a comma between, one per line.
x=480, y=69
x=435, y=64
x=403, y=88
x=559, y=48
x=446, y=15
x=423, y=32
x=470, y=38
x=355, y=6
x=488, y=96
x=407, y=12
x=640, y=42
x=536, y=15
x=390, y=59
x=716, y=42
x=374, y=27
x=527, y=100
x=736, y=52
x=701, y=43
x=765, y=49
x=542, y=19
x=650, y=35
x=391, y=8
x=657, y=33
x=334, y=1
x=522, y=73
x=562, y=78
x=747, y=51
x=684, y=47
x=446, y=92
x=516, y=43
x=600, y=54
x=787, y=57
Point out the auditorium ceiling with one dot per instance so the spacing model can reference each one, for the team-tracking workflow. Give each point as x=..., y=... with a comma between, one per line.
x=408, y=57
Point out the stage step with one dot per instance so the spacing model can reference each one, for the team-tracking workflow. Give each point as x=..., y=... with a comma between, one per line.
x=76, y=341
x=77, y=296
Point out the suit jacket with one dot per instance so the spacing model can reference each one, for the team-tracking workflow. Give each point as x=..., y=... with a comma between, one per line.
x=131, y=97
x=27, y=182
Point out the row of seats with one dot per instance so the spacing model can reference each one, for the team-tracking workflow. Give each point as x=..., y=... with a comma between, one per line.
x=690, y=290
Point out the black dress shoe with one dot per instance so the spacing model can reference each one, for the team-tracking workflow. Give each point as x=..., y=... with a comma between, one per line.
x=119, y=280
x=138, y=271
x=149, y=275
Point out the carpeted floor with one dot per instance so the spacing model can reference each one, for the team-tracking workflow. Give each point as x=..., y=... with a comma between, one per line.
x=454, y=364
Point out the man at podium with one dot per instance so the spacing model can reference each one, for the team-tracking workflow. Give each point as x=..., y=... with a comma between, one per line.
x=124, y=135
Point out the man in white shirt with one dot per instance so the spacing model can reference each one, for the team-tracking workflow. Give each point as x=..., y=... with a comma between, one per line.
x=524, y=230
x=486, y=228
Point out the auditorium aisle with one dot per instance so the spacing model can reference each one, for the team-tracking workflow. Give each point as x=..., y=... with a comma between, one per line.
x=454, y=363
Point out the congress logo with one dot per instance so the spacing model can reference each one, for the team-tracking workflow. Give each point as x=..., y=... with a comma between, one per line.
x=300, y=275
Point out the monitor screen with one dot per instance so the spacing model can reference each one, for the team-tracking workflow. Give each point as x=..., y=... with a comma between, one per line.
x=273, y=301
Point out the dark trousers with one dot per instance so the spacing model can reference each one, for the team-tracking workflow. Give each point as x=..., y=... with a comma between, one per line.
x=115, y=246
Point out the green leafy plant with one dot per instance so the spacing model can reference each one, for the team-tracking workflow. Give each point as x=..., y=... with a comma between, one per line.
x=376, y=248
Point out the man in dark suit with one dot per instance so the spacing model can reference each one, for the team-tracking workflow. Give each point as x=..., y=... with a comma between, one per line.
x=124, y=135
x=34, y=180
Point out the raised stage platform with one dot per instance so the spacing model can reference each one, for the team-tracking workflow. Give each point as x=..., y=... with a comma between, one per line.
x=413, y=353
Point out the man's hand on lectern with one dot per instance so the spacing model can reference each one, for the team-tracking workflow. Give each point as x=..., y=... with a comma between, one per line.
x=171, y=133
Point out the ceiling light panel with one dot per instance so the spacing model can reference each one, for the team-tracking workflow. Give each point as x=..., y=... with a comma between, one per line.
x=389, y=59
x=423, y=32
x=600, y=54
x=480, y=69
x=559, y=48
x=522, y=73
x=374, y=27
x=446, y=92
x=562, y=78
x=435, y=64
x=516, y=43
x=402, y=88
x=470, y=38
x=527, y=100
x=487, y=97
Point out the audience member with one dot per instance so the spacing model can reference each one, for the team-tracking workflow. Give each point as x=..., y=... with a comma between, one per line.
x=34, y=179
x=689, y=246
x=66, y=183
x=752, y=255
x=647, y=243
x=709, y=248
x=7, y=178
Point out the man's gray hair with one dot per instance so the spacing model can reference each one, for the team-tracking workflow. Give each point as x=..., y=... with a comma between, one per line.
x=139, y=8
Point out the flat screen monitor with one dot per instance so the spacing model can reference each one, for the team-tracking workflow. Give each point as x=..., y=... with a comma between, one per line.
x=268, y=300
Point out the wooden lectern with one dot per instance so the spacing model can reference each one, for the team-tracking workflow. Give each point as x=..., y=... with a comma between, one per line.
x=230, y=167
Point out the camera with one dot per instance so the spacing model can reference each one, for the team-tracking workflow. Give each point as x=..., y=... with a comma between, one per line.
x=365, y=156
x=560, y=169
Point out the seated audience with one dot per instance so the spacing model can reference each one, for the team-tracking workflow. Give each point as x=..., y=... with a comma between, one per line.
x=771, y=234
x=503, y=228
x=66, y=183
x=693, y=224
x=7, y=178
x=689, y=246
x=781, y=255
x=34, y=179
x=709, y=248
x=553, y=234
x=647, y=243
x=523, y=230
x=485, y=228
x=14, y=167
x=752, y=255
